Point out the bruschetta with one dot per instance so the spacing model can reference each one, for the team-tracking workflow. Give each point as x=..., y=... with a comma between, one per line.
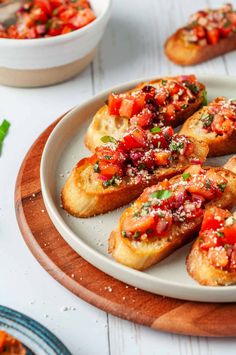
x=166, y=101
x=216, y=125
x=120, y=169
x=168, y=215
x=208, y=34
x=212, y=259
x=10, y=345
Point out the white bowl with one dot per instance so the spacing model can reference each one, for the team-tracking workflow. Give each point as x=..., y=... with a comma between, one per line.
x=46, y=61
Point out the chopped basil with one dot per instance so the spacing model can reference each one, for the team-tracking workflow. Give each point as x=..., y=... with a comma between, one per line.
x=111, y=182
x=186, y=176
x=162, y=194
x=96, y=167
x=176, y=146
x=164, y=82
x=124, y=234
x=160, y=214
x=141, y=166
x=184, y=106
x=207, y=119
x=227, y=24
x=144, y=211
x=220, y=234
x=193, y=87
x=137, y=234
x=3, y=131
x=208, y=184
x=107, y=157
x=222, y=186
x=155, y=130
x=226, y=246
x=108, y=139
x=149, y=231
x=204, y=98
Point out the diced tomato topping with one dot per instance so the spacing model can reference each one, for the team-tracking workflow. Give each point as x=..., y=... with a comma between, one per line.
x=213, y=218
x=213, y=35
x=109, y=170
x=135, y=139
x=168, y=132
x=144, y=118
x=209, y=240
x=230, y=234
x=141, y=224
x=162, y=158
x=114, y=103
x=161, y=96
x=45, y=18
x=3, y=337
x=170, y=112
x=127, y=107
x=200, y=32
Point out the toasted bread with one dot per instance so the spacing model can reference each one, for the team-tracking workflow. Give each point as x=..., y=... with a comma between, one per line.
x=218, y=144
x=104, y=124
x=183, y=53
x=142, y=254
x=200, y=269
x=83, y=195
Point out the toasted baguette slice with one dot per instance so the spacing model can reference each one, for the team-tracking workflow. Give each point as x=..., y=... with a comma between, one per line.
x=104, y=124
x=218, y=144
x=200, y=269
x=83, y=195
x=142, y=254
x=183, y=53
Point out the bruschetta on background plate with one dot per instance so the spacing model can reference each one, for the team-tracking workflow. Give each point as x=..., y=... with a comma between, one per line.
x=165, y=101
x=216, y=125
x=89, y=236
x=208, y=34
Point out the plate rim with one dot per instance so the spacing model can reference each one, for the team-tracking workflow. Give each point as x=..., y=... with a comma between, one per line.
x=36, y=327
x=109, y=266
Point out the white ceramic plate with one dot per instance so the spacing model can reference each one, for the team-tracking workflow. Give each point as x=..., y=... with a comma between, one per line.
x=89, y=236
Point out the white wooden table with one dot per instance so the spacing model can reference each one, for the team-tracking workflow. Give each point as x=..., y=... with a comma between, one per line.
x=131, y=48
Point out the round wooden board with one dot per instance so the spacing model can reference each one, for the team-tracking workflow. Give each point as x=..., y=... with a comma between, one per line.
x=94, y=286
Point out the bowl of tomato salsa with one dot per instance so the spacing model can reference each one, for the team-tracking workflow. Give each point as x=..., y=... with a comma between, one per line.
x=51, y=41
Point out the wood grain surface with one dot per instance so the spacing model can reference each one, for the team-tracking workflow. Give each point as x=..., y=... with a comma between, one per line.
x=94, y=286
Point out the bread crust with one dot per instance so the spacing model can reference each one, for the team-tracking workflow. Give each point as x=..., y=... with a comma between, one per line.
x=183, y=53
x=200, y=269
x=84, y=196
x=218, y=145
x=141, y=255
x=104, y=124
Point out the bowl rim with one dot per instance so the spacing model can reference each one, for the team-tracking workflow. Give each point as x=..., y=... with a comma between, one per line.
x=11, y=42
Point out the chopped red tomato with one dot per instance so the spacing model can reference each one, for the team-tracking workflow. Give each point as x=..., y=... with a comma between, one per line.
x=209, y=240
x=114, y=103
x=213, y=35
x=213, y=218
x=200, y=32
x=135, y=139
x=230, y=234
x=162, y=158
x=109, y=170
x=141, y=224
x=170, y=112
x=45, y=18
